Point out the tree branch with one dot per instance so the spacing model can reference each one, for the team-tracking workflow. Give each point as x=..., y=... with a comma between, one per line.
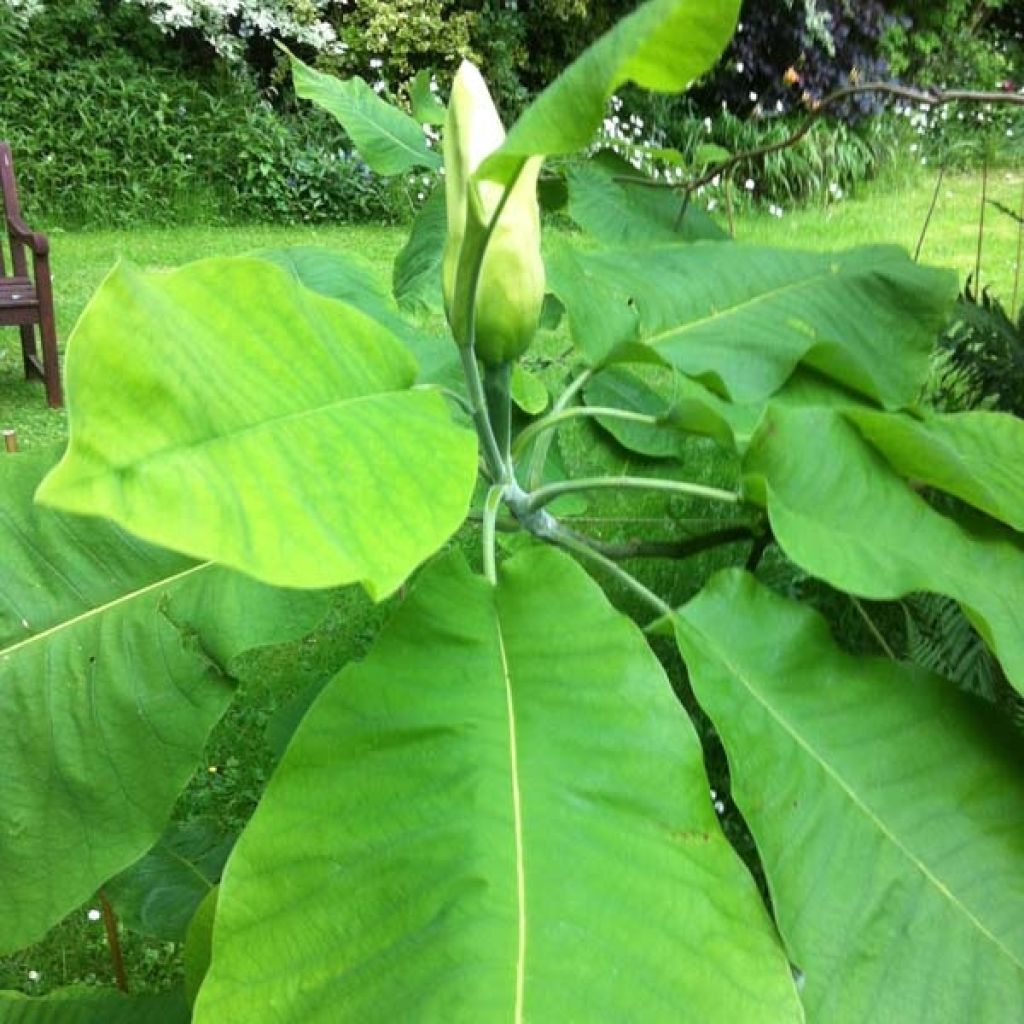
x=685, y=548
x=932, y=97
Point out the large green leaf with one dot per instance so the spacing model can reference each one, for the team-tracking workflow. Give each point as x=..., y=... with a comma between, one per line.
x=664, y=45
x=388, y=139
x=94, y=1006
x=159, y=893
x=228, y=412
x=740, y=318
x=683, y=406
x=112, y=661
x=888, y=809
x=416, y=280
x=843, y=514
x=349, y=278
x=978, y=456
x=617, y=210
x=500, y=815
x=426, y=107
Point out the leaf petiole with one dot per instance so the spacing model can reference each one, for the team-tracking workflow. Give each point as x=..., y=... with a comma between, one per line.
x=554, y=419
x=543, y=495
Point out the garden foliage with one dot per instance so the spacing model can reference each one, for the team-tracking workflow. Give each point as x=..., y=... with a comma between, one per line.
x=502, y=812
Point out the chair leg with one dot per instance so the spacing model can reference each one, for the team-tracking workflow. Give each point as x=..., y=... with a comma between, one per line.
x=29, y=351
x=51, y=361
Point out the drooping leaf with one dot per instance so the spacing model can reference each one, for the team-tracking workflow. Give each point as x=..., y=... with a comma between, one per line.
x=387, y=138
x=741, y=318
x=158, y=894
x=888, y=809
x=663, y=46
x=843, y=514
x=426, y=107
x=683, y=405
x=978, y=456
x=112, y=662
x=228, y=412
x=416, y=281
x=500, y=815
x=349, y=278
x=83, y=1005
x=608, y=200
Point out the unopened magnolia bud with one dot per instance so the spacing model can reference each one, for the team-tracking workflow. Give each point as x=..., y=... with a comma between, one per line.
x=510, y=291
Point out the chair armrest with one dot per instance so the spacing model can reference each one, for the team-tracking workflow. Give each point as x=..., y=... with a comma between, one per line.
x=20, y=231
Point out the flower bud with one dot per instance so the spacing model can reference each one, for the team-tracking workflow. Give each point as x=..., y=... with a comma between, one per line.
x=510, y=291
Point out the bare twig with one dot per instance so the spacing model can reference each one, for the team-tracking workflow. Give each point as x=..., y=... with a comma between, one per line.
x=928, y=215
x=113, y=942
x=981, y=222
x=685, y=548
x=1020, y=251
x=931, y=97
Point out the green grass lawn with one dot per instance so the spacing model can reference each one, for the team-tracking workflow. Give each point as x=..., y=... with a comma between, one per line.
x=889, y=211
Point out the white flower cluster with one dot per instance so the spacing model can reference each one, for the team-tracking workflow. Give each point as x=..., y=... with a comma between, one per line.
x=227, y=24
x=24, y=10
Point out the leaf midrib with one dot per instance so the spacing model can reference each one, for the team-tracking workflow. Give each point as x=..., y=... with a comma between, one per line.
x=425, y=156
x=737, y=308
x=102, y=609
x=868, y=813
x=517, y=824
x=271, y=422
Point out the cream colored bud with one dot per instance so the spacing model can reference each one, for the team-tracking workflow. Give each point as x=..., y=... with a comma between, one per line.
x=510, y=292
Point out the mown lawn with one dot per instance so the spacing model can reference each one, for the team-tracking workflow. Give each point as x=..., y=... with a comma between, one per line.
x=886, y=212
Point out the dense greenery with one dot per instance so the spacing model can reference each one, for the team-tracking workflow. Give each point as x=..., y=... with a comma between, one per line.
x=503, y=811
x=139, y=111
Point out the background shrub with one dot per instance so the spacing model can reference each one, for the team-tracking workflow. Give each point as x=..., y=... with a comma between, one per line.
x=114, y=123
x=147, y=111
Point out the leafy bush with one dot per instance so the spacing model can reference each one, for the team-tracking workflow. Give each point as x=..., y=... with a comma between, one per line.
x=502, y=811
x=111, y=124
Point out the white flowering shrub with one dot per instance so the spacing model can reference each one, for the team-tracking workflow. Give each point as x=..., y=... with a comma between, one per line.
x=228, y=24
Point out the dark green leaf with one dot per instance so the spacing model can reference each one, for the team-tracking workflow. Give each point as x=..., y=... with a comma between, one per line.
x=501, y=814
x=683, y=405
x=416, y=283
x=616, y=210
x=388, y=139
x=888, y=809
x=843, y=514
x=741, y=318
x=158, y=895
x=94, y=1006
x=109, y=688
x=198, y=944
x=978, y=456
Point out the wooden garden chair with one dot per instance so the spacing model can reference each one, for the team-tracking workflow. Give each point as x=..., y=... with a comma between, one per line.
x=26, y=299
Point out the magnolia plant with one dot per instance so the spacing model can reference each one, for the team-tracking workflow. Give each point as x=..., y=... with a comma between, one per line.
x=502, y=813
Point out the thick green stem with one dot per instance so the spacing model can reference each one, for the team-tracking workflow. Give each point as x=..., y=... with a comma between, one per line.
x=542, y=496
x=554, y=419
x=497, y=391
x=491, y=506
x=478, y=400
x=540, y=450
